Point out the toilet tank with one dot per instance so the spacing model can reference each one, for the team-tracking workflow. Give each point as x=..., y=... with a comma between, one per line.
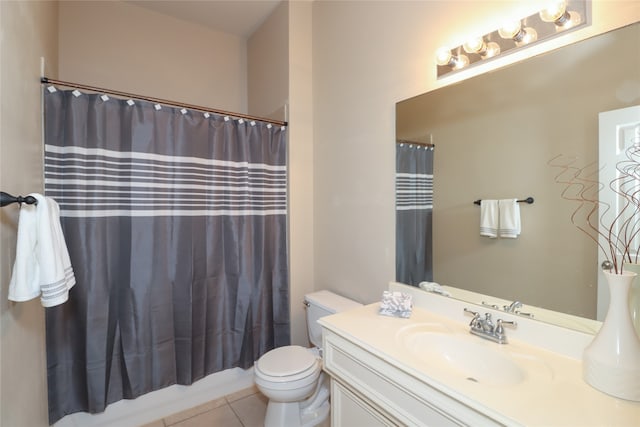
x=320, y=304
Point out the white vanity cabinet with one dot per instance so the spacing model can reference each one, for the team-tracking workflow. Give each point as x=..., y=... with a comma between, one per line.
x=429, y=371
x=370, y=391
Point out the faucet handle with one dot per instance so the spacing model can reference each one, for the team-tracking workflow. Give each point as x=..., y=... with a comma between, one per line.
x=500, y=322
x=499, y=332
x=475, y=314
x=494, y=306
x=522, y=313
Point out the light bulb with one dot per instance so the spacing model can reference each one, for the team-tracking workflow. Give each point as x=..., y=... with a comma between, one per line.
x=521, y=36
x=572, y=20
x=460, y=61
x=510, y=30
x=553, y=11
x=479, y=46
x=443, y=56
x=528, y=35
x=474, y=45
x=493, y=49
x=557, y=13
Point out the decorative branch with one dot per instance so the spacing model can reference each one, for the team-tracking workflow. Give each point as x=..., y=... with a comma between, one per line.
x=591, y=215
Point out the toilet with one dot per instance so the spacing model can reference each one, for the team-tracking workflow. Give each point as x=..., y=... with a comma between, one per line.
x=291, y=376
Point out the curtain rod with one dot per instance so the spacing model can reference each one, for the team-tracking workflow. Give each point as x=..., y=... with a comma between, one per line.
x=424, y=144
x=45, y=80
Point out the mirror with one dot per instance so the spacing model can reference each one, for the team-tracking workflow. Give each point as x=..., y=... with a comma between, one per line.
x=494, y=137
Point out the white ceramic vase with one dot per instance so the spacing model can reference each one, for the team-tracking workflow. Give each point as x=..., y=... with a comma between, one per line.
x=611, y=363
x=634, y=297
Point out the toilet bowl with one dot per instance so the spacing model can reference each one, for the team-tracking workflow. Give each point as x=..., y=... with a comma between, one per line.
x=287, y=374
x=291, y=377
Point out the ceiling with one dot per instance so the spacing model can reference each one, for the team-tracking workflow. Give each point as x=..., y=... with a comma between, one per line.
x=238, y=17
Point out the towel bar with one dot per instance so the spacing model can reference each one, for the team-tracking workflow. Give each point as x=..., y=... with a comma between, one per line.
x=7, y=199
x=528, y=200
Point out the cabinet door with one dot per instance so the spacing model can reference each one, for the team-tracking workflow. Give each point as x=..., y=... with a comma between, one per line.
x=349, y=410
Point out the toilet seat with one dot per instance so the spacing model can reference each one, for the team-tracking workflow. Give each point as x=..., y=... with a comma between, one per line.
x=287, y=364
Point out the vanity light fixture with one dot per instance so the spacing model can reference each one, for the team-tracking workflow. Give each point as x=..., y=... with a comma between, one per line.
x=557, y=17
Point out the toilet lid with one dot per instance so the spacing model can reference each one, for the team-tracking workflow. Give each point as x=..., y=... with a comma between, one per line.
x=286, y=361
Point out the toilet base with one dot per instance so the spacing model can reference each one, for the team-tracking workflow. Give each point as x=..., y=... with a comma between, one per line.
x=313, y=418
x=280, y=414
x=307, y=413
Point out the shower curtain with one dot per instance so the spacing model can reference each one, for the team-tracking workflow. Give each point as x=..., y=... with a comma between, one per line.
x=176, y=226
x=414, y=213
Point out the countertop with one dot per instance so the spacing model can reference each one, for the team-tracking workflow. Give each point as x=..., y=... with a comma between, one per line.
x=551, y=396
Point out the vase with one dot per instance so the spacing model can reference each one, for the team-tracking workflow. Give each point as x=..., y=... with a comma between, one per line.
x=611, y=362
x=634, y=297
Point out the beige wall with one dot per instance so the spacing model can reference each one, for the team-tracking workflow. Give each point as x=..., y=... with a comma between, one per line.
x=28, y=32
x=121, y=46
x=279, y=73
x=365, y=57
x=368, y=56
x=268, y=65
x=301, y=201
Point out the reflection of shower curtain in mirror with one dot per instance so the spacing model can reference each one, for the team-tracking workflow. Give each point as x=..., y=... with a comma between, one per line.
x=414, y=211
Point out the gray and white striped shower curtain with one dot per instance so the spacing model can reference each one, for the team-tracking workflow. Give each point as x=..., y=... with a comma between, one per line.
x=176, y=226
x=414, y=213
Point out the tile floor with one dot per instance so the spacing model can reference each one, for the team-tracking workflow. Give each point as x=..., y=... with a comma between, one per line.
x=245, y=408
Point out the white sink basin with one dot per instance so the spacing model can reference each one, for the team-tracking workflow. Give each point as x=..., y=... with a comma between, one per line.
x=471, y=357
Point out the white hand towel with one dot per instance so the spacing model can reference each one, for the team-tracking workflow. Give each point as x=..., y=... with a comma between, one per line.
x=489, y=218
x=510, y=226
x=434, y=287
x=42, y=266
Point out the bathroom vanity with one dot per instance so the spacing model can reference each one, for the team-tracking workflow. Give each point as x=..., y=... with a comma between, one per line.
x=428, y=370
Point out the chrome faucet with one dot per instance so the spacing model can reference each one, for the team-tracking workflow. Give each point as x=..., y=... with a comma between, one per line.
x=512, y=307
x=485, y=328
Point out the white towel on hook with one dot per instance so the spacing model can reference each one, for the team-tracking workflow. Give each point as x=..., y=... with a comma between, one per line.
x=42, y=266
x=510, y=225
x=489, y=218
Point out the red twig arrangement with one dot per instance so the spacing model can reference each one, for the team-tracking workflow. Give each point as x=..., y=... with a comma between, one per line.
x=617, y=234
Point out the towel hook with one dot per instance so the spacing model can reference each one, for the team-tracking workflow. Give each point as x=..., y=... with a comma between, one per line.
x=7, y=199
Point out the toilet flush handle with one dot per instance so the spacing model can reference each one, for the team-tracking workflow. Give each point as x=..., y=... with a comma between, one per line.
x=305, y=303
